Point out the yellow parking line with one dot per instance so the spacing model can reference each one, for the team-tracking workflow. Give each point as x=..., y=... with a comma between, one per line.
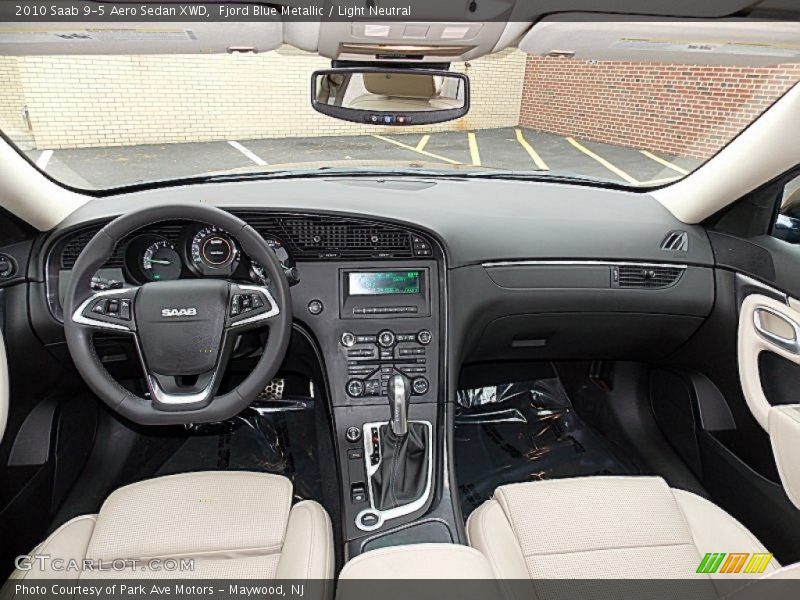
x=666, y=163
x=473, y=150
x=603, y=162
x=422, y=143
x=540, y=164
x=413, y=149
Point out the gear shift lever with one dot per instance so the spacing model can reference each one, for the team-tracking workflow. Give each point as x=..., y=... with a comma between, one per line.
x=399, y=392
x=403, y=470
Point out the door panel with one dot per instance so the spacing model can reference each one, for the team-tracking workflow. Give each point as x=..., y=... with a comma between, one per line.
x=769, y=325
x=3, y=387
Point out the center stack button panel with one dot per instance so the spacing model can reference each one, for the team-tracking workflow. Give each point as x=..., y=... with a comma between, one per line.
x=372, y=359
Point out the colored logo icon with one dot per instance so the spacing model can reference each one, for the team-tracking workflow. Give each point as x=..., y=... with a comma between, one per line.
x=734, y=562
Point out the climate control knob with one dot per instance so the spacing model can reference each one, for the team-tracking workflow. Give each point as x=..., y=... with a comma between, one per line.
x=386, y=338
x=348, y=339
x=355, y=388
x=420, y=385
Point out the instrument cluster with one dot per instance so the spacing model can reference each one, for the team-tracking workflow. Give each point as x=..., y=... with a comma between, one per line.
x=198, y=251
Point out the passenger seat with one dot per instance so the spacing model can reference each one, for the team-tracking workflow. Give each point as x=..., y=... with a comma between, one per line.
x=604, y=527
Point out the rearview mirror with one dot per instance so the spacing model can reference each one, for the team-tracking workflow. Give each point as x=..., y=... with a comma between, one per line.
x=380, y=96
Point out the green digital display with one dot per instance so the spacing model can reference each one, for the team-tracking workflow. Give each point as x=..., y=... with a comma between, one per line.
x=378, y=283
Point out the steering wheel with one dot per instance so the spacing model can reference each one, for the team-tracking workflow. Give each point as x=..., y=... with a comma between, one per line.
x=184, y=330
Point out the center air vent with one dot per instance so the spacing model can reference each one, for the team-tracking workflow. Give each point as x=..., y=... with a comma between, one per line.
x=676, y=241
x=646, y=276
x=319, y=237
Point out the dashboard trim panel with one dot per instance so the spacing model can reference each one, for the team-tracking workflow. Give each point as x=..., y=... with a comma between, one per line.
x=609, y=263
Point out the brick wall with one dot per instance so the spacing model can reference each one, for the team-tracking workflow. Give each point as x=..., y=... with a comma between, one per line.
x=80, y=101
x=682, y=110
x=12, y=99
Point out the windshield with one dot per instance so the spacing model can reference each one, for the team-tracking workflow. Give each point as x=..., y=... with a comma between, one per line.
x=99, y=122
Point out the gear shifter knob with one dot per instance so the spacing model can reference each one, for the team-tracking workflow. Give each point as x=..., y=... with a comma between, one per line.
x=399, y=392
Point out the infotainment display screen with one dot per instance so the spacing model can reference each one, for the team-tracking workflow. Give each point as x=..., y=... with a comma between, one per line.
x=375, y=283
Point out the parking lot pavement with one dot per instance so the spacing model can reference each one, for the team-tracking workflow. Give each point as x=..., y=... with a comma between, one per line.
x=511, y=148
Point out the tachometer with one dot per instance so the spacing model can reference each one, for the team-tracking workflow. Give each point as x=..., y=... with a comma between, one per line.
x=213, y=252
x=160, y=261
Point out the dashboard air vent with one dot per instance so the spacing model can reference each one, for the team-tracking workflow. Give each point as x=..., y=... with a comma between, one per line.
x=317, y=237
x=647, y=276
x=676, y=241
x=322, y=238
x=75, y=245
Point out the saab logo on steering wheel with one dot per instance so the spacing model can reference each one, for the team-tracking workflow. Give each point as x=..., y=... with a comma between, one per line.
x=178, y=312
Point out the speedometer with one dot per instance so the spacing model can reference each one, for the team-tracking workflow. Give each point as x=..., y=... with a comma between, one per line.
x=213, y=252
x=160, y=261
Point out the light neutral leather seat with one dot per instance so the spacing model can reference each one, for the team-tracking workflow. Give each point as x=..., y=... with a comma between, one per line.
x=232, y=524
x=604, y=527
x=418, y=562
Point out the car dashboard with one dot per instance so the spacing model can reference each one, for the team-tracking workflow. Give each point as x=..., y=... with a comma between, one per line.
x=420, y=277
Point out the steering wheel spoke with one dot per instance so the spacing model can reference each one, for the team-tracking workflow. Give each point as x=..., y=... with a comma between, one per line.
x=249, y=307
x=108, y=310
x=183, y=393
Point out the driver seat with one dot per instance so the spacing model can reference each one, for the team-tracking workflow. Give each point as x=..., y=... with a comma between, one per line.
x=232, y=524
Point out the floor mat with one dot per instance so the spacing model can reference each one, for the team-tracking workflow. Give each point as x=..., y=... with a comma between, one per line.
x=260, y=439
x=524, y=431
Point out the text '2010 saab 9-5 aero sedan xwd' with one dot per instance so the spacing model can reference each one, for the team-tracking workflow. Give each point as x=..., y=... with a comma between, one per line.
x=512, y=298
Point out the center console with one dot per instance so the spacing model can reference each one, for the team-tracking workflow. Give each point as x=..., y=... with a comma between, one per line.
x=382, y=340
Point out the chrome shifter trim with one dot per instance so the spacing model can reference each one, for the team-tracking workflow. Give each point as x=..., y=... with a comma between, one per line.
x=399, y=395
x=398, y=511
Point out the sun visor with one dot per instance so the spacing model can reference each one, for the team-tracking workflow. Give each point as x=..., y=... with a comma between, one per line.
x=35, y=39
x=728, y=42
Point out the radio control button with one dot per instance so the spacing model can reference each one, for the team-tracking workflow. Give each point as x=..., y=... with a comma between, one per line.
x=348, y=339
x=420, y=385
x=424, y=337
x=386, y=338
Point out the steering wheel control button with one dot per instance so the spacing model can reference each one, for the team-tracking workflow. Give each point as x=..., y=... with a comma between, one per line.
x=7, y=267
x=348, y=339
x=125, y=309
x=355, y=388
x=420, y=386
x=315, y=307
x=353, y=434
x=424, y=337
x=386, y=338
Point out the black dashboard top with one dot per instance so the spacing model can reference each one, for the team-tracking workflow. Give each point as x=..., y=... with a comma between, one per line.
x=477, y=221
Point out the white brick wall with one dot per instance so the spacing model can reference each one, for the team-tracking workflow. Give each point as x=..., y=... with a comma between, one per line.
x=81, y=101
x=12, y=99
